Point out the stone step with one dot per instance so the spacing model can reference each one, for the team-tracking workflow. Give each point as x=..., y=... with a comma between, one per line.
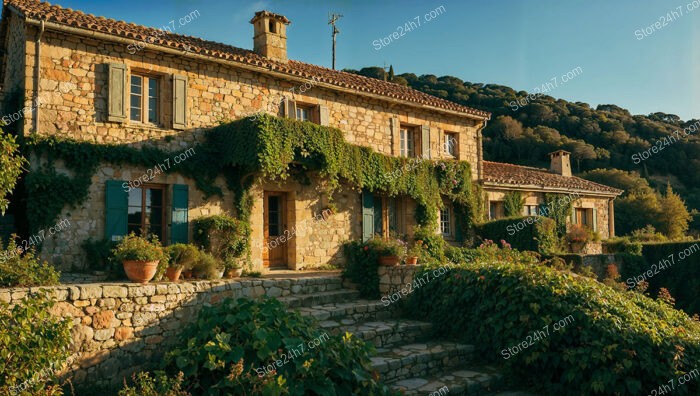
x=471, y=380
x=383, y=333
x=310, y=285
x=319, y=298
x=420, y=359
x=349, y=313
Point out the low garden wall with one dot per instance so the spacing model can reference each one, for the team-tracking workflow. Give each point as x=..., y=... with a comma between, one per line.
x=121, y=328
x=393, y=279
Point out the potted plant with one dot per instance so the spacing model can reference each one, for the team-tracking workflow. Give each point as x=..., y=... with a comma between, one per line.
x=390, y=250
x=205, y=267
x=414, y=253
x=577, y=237
x=182, y=256
x=234, y=267
x=140, y=257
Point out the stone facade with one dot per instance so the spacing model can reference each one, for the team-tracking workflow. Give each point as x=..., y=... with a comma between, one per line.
x=73, y=90
x=119, y=329
x=535, y=198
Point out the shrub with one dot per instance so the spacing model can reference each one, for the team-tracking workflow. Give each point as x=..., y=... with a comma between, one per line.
x=160, y=384
x=513, y=203
x=182, y=255
x=33, y=346
x=388, y=247
x=534, y=233
x=622, y=245
x=137, y=248
x=98, y=254
x=361, y=267
x=614, y=343
x=206, y=266
x=647, y=234
x=434, y=243
x=19, y=269
x=243, y=347
x=11, y=167
x=223, y=236
x=578, y=234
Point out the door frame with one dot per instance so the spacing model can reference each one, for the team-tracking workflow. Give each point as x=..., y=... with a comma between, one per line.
x=281, y=241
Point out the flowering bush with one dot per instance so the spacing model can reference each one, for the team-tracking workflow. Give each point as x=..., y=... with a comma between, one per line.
x=388, y=246
x=577, y=234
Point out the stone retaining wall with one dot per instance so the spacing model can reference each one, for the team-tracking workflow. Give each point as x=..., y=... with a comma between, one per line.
x=392, y=279
x=121, y=328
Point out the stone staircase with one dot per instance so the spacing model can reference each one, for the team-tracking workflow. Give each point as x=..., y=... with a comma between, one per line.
x=408, y=357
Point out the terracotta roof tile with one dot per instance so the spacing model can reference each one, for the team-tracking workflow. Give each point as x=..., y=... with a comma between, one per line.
x=38, y=10
x=516, y=175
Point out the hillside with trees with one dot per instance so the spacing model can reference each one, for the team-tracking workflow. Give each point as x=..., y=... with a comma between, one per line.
x=608, y=144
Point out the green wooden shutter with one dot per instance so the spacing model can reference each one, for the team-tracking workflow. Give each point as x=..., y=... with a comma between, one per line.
x=116, y=203
x=595, y=219
x=367, y=215
x=542, y=210
x=179, y=223
x=323, y=115
x=425, y=142
x=179, y=101
x=573, y=215
x=117, y=100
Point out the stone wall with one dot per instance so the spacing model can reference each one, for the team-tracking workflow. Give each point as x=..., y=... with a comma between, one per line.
x=393, y=279
x=120, y=328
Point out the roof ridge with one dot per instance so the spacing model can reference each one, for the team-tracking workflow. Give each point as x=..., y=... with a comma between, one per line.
x=36, y=9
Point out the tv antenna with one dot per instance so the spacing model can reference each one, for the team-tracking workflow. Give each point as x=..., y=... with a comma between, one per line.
x=332, y=19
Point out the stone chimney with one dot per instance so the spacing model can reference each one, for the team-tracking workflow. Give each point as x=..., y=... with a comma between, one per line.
x=270, y=38
x=561, y=164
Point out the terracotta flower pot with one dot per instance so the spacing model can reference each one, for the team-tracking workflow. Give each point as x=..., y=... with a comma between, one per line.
x=173, y=273
x=234, y=273
x=413, y=260
x=140, y=271
x=577, y=247
x=187, y=274
x=389, y=261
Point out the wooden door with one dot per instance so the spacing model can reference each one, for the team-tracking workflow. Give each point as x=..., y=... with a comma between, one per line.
x=275, y=226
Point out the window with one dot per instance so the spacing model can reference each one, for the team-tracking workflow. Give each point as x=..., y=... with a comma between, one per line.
x=146, y=211
x=408, y=142
x=584, y=217
x=531, y=210
x=145, y=100
x=451, y=144
x=496, y=210
x=272, y=26
x=446, y=221
x=396, y=208
x=304, y=113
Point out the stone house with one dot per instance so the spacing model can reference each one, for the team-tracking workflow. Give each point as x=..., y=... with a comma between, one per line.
x=104, y=81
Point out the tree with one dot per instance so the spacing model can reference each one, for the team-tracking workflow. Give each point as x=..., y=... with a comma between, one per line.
x=674, y=219
x=11, y=166
x=391, y=72
x=513, y=203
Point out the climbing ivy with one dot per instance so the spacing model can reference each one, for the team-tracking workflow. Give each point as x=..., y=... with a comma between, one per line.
x=247, y=150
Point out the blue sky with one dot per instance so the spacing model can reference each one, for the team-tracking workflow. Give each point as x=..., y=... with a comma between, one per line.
x=519, y=43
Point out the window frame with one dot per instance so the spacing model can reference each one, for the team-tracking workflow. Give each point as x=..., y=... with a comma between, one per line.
x=496, y=207
x=164, y=204
x=446, y=210
x=451, y=136
x=408, y=141
x=584, y=217
x=145, y=98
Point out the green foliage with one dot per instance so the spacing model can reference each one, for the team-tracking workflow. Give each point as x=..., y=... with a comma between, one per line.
x=98, y=253
x=11, y=166
x=182, y=255
x=50, y=192
x=669, y=271
x=558, y=208
x=207, y=266
x=230, y=347
x=513, y=203
x=361, y=267
x=34, y=345
x=23, y=269
x=534, y=233
x=675, y=219
x=622, y=245
x=133, y=247
x=647, y=234
x=227, y=238
x=615, y=343
x=277, y=148
x=433, y=242
x=388, y=246
x=160, y=384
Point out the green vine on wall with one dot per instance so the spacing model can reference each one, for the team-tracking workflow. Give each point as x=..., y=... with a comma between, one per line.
x=249, y=149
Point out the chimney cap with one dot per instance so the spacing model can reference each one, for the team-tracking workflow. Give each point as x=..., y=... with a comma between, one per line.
x=558, y=152
x=265, y=13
